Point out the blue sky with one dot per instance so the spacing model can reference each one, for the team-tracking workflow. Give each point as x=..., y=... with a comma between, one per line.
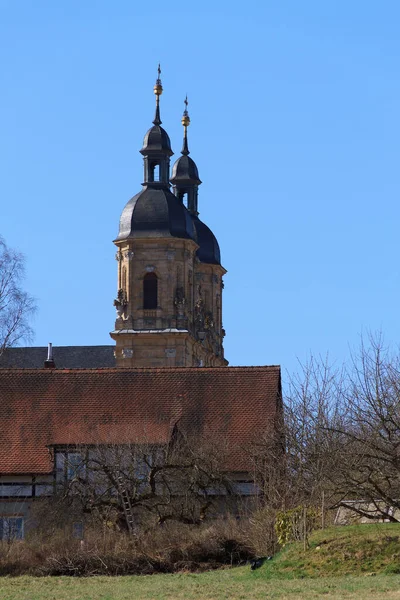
x=295, y=130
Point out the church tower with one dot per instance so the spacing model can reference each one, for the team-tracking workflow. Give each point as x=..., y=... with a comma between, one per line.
x=169, y=300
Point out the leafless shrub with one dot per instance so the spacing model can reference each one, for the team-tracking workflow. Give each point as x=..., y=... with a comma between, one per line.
x=169, y=548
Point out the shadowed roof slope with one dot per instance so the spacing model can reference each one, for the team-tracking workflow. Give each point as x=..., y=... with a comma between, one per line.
x=40, y=408
x=65, y=357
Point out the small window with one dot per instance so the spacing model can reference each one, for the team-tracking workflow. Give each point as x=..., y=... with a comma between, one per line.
x=150, y=285
x=69, y=465
x=77, y=530
x=75, y=465
x=11, y=528
x=15, y=489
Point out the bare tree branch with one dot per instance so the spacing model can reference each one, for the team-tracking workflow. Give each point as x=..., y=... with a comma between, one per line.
x=16, y=306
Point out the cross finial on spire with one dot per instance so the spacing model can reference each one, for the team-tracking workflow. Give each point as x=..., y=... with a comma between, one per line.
x=158, y=90
x=185, y=122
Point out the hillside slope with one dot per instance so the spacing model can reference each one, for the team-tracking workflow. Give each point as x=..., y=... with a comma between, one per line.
x=350, y=550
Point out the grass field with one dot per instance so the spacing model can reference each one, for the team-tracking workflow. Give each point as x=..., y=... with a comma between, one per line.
x=360, y=562
x=231, y=584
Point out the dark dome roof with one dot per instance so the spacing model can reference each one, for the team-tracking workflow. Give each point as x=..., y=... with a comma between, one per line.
x=157, y=139
x=185, y=169
x=155, y=212
x=208, y=252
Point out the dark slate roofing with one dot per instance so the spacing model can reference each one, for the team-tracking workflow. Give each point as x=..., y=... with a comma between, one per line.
x=155, y=212
x=157, y=139
x=208, y=251
x=41, y=408
x=185, y=170
x=65, y=357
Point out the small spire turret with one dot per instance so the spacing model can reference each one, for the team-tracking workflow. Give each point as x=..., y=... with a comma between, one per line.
x=185, y=176
x=158, y=90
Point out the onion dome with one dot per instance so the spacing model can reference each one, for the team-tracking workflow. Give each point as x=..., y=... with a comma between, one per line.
x=208, y=251
x=155, y=211
x=157, y=139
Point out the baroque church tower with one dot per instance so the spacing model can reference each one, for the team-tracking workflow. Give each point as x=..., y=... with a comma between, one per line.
x=169, y=301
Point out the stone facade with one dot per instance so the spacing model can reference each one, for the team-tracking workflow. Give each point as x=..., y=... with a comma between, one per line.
x=185, y=329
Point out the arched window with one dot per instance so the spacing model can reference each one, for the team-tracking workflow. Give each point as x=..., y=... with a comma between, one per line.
x=150, y=291
x=155, y=172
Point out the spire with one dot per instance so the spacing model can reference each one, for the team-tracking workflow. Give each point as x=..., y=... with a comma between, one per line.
x=185, y=122
x=158, y=90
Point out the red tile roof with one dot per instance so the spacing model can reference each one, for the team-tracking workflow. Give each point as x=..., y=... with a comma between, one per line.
x=44, y=407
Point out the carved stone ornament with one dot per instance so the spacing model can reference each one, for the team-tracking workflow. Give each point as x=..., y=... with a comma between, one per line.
x=118, y=255
x=127, y=352
x=208, y=321
x=215, y=278
x=171, y=254
x=129, y=254
x=199, y=314
x=180, y=300
x=120, y=303
x=150, y=268
x=170, y=352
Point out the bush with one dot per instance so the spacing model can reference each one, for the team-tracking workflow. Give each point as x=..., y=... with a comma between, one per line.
x=167, y=549
x=295, y=524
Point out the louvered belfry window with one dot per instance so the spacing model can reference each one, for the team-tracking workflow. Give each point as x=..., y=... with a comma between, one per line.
x=150, y=291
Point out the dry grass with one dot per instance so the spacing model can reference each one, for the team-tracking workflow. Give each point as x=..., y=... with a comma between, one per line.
x=230, y=584
x=160, y=550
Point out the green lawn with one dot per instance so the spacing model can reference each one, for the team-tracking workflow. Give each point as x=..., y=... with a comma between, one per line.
x=351, y=550
x=231, y=584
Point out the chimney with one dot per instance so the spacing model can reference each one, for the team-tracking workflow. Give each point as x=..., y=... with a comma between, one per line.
x=49, y=362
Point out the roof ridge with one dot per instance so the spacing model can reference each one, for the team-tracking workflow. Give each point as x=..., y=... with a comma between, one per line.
x=61, y=346
x=142, y=369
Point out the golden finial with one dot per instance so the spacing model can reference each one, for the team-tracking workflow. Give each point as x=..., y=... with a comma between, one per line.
x=158, y=89
x=185, y=119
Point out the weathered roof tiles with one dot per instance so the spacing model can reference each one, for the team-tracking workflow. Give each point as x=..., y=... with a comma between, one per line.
x=45, y=407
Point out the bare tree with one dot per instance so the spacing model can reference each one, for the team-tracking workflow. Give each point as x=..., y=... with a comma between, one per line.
x=129, y=484
x=16, y=305
x=313, y=403
x=342, y=429
x=292, y=463
x=368, y=481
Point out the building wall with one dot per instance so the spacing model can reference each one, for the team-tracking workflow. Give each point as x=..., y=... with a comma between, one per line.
x=18, y=495
x=186, y=327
